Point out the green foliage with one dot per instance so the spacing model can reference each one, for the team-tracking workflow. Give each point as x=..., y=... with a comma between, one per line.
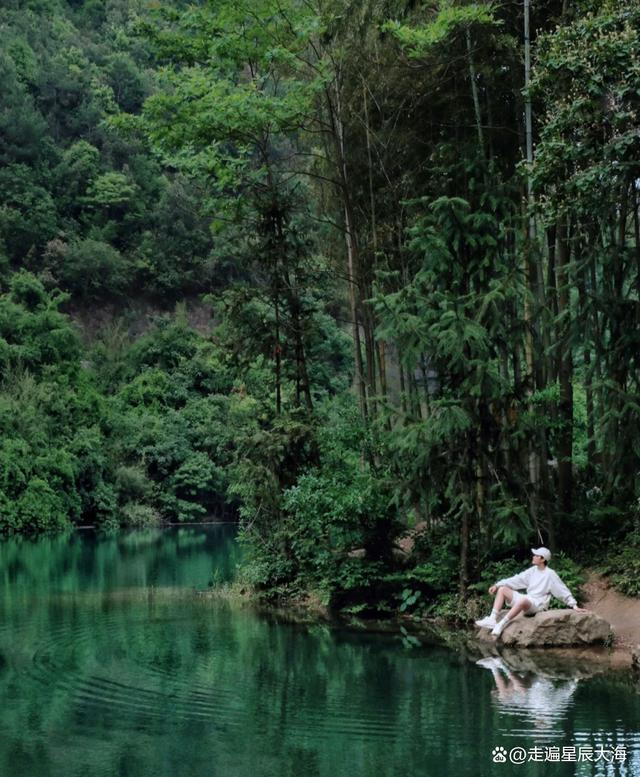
x=408, y=640
x=571, y=573
x=110, y=190
x=450, y=607
x=586, y=164
x=22, y=126
x=126, y=81
x=132, y=483
x=449, y=21
x=39, y=508
x=189, y=488
x=28, y=215
x=595, y=59
x=229, y=148
x=92, y=270
x=409, y=598
x=148, y=442
x=79, y=166
x=332, y=504
x=33, y=334
x=622, y=564
x=139, y=516
x=449, y=314
x=68, y=178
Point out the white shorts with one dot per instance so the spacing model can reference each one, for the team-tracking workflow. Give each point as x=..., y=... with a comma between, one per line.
x=537, y=605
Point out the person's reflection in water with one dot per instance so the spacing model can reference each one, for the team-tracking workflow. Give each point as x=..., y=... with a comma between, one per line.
x=536, y=698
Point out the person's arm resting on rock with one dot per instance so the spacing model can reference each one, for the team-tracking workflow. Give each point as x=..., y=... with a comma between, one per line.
x=560, y=591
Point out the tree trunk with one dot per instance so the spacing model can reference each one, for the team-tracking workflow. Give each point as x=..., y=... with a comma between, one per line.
x=350, y=239
x=474, y=93
x=565, y=436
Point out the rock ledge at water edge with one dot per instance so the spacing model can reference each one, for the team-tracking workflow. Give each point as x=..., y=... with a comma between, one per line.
x=552, y=629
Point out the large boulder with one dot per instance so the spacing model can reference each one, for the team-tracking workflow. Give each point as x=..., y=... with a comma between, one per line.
x=553, y=628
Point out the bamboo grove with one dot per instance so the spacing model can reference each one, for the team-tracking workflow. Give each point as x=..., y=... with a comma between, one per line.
x=489, y=289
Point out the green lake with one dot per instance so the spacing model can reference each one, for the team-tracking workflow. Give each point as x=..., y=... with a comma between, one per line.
x=112, y=666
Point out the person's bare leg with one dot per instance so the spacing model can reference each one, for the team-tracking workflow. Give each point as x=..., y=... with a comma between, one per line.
x=516, y=681
x=502, y=686
x=505, y=594
x=522, y=606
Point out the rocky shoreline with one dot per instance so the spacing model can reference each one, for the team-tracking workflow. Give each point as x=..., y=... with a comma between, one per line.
x=559, y=643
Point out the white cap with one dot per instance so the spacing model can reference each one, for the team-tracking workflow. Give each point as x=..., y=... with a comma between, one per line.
x=544, y=552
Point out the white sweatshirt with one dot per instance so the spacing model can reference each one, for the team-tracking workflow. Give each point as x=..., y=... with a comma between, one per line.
x=540, y=585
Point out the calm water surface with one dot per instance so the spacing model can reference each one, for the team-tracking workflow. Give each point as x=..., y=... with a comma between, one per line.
x=110, y=666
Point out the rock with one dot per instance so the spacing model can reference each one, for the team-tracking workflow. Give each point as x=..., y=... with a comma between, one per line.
x=554, y=628
x=407, y=542
x=399, y=555
x=559, y=663
x=357, y=553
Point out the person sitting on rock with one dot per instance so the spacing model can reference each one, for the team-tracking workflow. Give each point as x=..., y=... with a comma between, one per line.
x=540, y=583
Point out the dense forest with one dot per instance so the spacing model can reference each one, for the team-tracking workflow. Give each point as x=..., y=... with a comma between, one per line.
x=336, y=269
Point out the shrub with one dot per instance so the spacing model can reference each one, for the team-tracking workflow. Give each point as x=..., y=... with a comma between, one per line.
x=623, y=565
x=40, y=508
x=8, y=518
x=27, y=290
x=139, y=516
x=104, y=503
x=93, y=270
x=132, y=483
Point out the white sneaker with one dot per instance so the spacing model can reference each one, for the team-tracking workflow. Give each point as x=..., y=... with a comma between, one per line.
x=492, y=662
x=497, y=630
x=487, y=623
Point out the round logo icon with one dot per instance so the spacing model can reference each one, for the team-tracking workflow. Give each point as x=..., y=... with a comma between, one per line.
x=499, y=755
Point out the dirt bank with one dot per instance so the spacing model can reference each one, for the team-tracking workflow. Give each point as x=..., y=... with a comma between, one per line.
x=622, y=612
